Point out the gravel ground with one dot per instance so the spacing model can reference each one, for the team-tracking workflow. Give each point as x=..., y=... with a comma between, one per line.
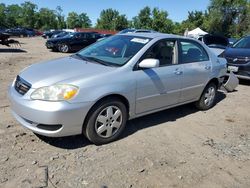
x=180, y=147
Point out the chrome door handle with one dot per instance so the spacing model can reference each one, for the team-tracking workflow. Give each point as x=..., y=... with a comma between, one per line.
x=207, y=67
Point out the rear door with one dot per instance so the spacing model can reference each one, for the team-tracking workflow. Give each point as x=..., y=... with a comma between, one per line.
x=196, y=67
x=159, y=87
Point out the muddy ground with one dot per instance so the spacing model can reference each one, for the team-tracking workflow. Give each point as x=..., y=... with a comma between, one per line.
x=180, y=147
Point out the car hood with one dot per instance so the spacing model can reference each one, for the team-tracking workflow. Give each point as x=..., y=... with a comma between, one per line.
x=237, y=52
x=61, y=70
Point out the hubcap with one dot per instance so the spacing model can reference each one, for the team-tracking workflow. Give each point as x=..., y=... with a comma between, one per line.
x=108, y=121
x=209, y=96
x=64, y=48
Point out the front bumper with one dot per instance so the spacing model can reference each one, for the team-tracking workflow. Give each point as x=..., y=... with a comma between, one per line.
x=50, y=45
x=34, y=114
x=243, y=71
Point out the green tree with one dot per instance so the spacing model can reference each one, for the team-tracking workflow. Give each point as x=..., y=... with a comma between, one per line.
x=13, y=17
x=46, y=19
x=107, y=19
x=121, y=22
x=143, y=20
x=60, y=18
x=2, y=15
x=229, y=17
x=195, y=19
x=156, y=19
x=28, y=14
x=74, y=20
x=84, y=20
x=160, y=21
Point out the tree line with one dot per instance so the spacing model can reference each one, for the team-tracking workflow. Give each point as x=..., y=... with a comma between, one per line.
x=227, y=17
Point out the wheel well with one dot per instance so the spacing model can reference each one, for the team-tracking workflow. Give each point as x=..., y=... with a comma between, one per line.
x=112, y=96
x=215, y=81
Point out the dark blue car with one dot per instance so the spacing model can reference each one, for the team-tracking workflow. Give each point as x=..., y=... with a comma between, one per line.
x=238, y=58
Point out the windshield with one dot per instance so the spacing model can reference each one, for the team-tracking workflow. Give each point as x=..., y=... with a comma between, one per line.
x=116, y=50
x=69, y=35
x=242, y=43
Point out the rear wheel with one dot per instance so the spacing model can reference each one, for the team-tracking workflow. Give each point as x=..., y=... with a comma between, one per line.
x=64, y=48
x=208, y=97
x=106, y=122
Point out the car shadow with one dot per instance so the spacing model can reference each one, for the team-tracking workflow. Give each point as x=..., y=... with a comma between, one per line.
x=68, y=142
x=12, y=50
x=164, y=116
x=244, y=82
x=169, y=115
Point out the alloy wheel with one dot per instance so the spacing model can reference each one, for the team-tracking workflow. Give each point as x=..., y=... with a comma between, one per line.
x=209, y=96
x=108, y=121
x=64, y=48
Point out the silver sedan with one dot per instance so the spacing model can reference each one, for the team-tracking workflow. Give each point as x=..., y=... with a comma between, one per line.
x=96, y=90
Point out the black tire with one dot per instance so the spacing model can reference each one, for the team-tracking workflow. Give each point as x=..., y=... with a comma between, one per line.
x=64, y=48
x=90, y=129
x=202, y=103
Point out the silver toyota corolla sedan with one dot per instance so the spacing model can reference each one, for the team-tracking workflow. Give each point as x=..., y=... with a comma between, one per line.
x=96, y=90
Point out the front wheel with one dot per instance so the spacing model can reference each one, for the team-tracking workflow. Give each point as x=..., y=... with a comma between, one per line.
x=106, y=122
x=208, y=97
x=64, y=48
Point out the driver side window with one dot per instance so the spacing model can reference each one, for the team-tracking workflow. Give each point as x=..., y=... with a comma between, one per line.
x=163, y=51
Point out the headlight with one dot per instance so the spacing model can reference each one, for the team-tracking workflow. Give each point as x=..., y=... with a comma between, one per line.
x=59, y=92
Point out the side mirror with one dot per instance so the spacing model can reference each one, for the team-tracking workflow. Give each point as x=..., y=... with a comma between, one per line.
x=149, y=63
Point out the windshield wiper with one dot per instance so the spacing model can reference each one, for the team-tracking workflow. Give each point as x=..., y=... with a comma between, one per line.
x=94, y=59
x=98, y=61
x=81, y=57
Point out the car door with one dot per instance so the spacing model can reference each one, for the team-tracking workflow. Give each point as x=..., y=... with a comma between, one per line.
x=196, y=68
x=159, y=87
x=75, y=42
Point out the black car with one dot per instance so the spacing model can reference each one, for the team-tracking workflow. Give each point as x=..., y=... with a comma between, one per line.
x=49, y=34
x=61, y=34
x=17, y=32
x=238, y=58
x=72, y=42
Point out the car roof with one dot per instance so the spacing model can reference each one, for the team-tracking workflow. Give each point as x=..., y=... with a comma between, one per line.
x=154, y=35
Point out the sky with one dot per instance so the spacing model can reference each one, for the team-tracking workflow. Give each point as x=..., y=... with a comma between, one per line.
x=177, y=9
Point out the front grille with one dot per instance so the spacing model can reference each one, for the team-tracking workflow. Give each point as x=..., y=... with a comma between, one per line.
x=238, y=60
x=21, y=85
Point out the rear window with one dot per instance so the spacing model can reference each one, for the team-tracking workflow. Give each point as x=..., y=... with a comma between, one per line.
x=192, y=52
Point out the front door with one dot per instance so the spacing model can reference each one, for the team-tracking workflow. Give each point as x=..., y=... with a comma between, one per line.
x=159, y=87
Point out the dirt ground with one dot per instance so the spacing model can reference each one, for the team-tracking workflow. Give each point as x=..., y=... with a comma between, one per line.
x=180, y=147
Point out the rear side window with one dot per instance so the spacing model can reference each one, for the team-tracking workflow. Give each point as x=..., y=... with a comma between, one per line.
x=192, y=52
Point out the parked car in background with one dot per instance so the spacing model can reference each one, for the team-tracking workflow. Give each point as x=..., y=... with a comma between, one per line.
x=2, y=29
x=104, y=36
x=72, y=42
x=21, y=32
x=137, y=31
x=232, y=40
x=61, y=34
x=96, y=90
x=238, y=58
x=48, y=34
x=217, y=43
